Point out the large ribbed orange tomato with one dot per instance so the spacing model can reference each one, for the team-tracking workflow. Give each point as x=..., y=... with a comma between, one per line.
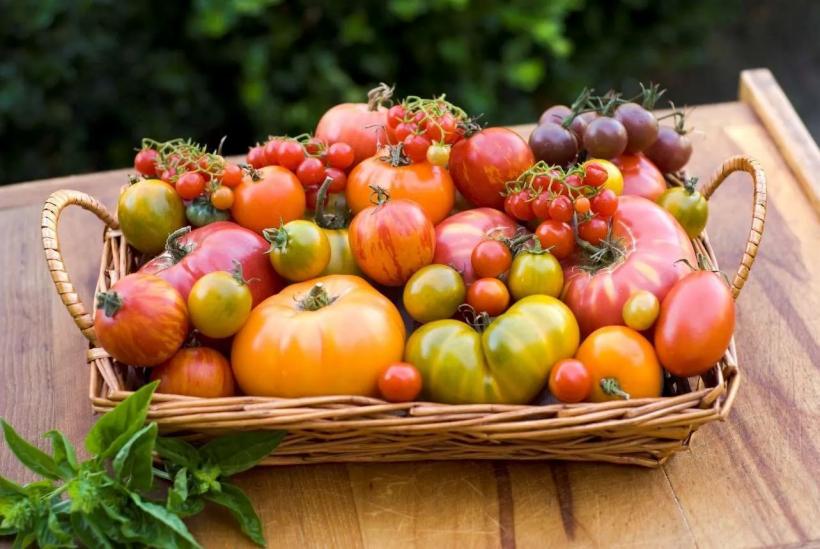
x=328, y=336
x=392, y=240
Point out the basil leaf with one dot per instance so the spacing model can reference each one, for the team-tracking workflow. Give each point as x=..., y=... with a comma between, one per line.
x=177, y=452
x=145, y=530
x=114, y=429
x=240, y=507
x=64, y=454
x=178, y=500
x=181, y=483
x=240, y=451
x=29, y=455
x=23, y=540
x=9, y=487
x=164, y=516
x=53, y=531
x=134, y=463
x=89, y=532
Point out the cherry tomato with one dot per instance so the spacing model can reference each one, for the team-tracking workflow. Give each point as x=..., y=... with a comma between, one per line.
x=541, y=182
x=596, y=175
x=582, y=204
x=145, y=162
x=256, y=157
x=488, y=295
x=594, y=230
x=573, y=180
x=415, y=146
x=219, y=303
x=605, y=203
x=300, y=249
x=190, y=185
x=290, y=154
x=340, y=156
x=641, y=310
x=560, y=209
x=402, y=130
x=570, y=381
x=400, y=382
x=491, y=259
x=557, y=237
x=438, y=154
x=541, y=206
x=433, y=130
x=272, y=152
x=315, y=146
x=517, y=205
x=395, y=115
x=231, y=175
x=615, y=179
x=339, y=180
x=222, y=198
x=450, y=127
x=311, y=172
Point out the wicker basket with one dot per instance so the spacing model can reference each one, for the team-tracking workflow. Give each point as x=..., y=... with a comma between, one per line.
x=359, y=429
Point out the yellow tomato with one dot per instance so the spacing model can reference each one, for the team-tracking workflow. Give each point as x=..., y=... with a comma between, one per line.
x=219, y=304
x=300, y=249
x=615, y=181
x=641, y=310
x=434, y=292
x=341, y=257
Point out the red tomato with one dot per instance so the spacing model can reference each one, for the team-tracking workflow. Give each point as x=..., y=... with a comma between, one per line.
x=488, y=295
x=311, y=172
x=593, y=230
x=339, y=180
x=695, y=324
x=215, y=247
x=395, y=115
x=145, y=162
x=570, y=381
x=256, y=157
x=195, y=371
x=491, y=258
x=290, y=154
x=272, y=152
x=641, y=177
x=400, y=382
x=596, y=175
x=415, y=146
x=190, y=185
x=560, y=209
x=557, y=237
x=605, y=203
x=142, y=320
x=268, y=198
x=653, y=241
x=541, y=206
x=340, y=156
x=518, y=206
x=231, y=175
x=457, y=235
x=358, y=124
x=482, y=163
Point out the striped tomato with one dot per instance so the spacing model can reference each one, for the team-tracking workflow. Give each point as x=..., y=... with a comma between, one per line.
x=648, y=243
x=392, y=240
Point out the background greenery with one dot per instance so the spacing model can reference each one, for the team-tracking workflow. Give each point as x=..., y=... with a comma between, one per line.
x=82, y=81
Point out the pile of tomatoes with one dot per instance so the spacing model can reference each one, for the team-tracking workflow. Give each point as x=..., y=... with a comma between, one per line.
x=408, y=252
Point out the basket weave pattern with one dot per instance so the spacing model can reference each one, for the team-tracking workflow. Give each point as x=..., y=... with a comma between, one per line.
x=361, y=429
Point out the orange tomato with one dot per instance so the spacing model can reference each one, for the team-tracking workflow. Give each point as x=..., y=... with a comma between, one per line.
x=195, y=371
x=488, y=295
x=570, y=381
x=268, y=197
x=400, y=382
x=329, y=336
x=222, y=198
x=622, y=364
x=429, y=186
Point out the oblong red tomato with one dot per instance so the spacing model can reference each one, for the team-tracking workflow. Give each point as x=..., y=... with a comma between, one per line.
x=215, y=247
x=641, y=177
x=392, y=240
x=652, y=242
x=457, y=235
x=695, y=324
x=482, y=163
x=195, y=371
x=142, y=320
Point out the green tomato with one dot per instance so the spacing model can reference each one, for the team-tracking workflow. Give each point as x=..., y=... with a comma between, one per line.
x=201, y=212
x=533, y=273
x=507, y=363
x=688, y=206
x=434, y=292
x=148, y=211
x=300, y=249
x=341, y=256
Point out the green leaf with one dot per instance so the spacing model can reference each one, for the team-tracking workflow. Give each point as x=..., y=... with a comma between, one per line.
x=165, y=517
x=114, y=429
x=133, y=464
x=240, y=451
x=9, y=487
x=64, y=453
x=24, y=539
x=89, y=532
x=242, y=510
x=178, y=500
x=29, y=455
x=177, y=452
x=53, y=531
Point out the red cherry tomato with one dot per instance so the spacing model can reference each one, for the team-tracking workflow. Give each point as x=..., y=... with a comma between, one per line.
x=231, y=175
x=290, y=154
x=518, y=205
x=541, y=206
x=145, y=162
x=256, y=157
x=560, y=209
x=582, y=204
x=415, y=146
x=314, y=146
x=272, y=152
x=541, y=182
x=402, y=130
x=340, y=155
x=488, y=295
x=400, y=382
x=190, y=185
x=573, y=180
x=311, y=172
x=605, y=203
x=491, y=258
x=339, y=179
x=394, y=116
x=557, y=237
x=596, y=175
x=570, y=381
x=594, y=230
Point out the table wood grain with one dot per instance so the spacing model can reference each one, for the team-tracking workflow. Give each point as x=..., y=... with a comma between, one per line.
x=750, y=481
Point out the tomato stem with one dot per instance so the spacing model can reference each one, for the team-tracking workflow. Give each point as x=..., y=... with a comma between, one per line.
x=327, y=220
x=277, y=237
x=477, y=321
x=378, y=195
x=174, y=248
x=611, y=387
x=378, y=95
x=396, y=156
x=316, y=298
x=110, y=302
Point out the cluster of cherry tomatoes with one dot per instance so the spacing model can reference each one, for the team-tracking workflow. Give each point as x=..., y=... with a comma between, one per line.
x=426, y=128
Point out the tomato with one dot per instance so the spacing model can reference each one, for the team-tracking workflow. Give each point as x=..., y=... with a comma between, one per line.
x=650, y=241
x=149, y=211
x=272, y=152
x=330, y=336
x=360, y=125
x=641, y=310
x=401, y=132
x=145, y=162
x=695, y=325
x=438, y=154
x=507, y=363
x=560, y=209
x=311, y=171
x=400, y=382
x=341, y=260
x=593, y=230
x=622, y=364
x=222, y=198
x=458, y=235
x=491, y=258
x=640, y=175
x=201, y=212
x=339, y=180
x=190, y=185
x=231, y=175
x=570, y=381
x=595, y=174
x=488, y=295
x=582, y=204
x=290, y=154
x=518, y=206
x=219, y=303
x=433, y=292
x=191, y=255
x=556, y=237
x=604, y=203
x=256, y=157
x=340, y=156
x=395, y=115
x=688, y=206
x=482, y=163
x=299, y=249
x=615, y=179
x=267, y=198
x=197, y=372
x=141, y=321
x=392, y=240
x=415, y=146
x=429, y=186
x=541, y=205
x=535, y=272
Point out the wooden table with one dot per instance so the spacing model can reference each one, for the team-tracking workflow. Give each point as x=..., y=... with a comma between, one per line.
x=751, y=481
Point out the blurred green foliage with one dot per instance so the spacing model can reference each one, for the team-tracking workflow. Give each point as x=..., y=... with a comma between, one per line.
x=82, y=81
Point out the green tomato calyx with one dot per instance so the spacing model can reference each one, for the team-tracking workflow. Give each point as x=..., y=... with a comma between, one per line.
x=611, y=387
x=174, y=249
x=110, y=302
x=316, y=298
x=690, y=185
x=277, y=237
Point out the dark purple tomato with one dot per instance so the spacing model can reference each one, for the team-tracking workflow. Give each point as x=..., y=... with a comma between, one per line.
x=641, y=126
x=559, y=113
x=605, y=137
x=671, y=151
x=553, y=144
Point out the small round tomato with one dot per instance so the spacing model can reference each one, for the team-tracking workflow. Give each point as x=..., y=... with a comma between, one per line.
x=311, y=172
x=222, y=198
x=595, y=174
x=145, y=162
x=518, y=206
x=535, y=272
x=340, y=156
x=594, y=230
x=415, y=146
x=195, y=371
x=491, y=259
x=299, y=249
x=400, y=382
x=190, y=185
x=560, y=209
x=433, y=292
x=438, y=154
x=271, y=149
x=557, y=237
x=402, y=131
x=605, y=203
x=256, y=157
x=641, y=310
x=231, y=175
x=570, y=381
x=582, y=204
x=615, y=179
x=395, y=115
x=219, y=303
x=339, y=180
x=290, y=154
x=541, y=205
x=488, y=295
x=688, y=206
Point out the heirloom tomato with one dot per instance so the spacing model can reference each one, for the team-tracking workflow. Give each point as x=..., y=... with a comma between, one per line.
x=614, y=180
x=219, y=303
x=197, y=372
x=483, y=162
x=570, y=381
x=433, y=292
x=299, y=250
x=268, y=197
x=506, y=363
x=622, y=364
x=341, y=256
x=329, y=336
x=458, y=235
x=488, y=295
x=642, y=254
x=688, y=206
x=535, y=272
x=142, y=320
x=360, y=125
x=491, y=258
x=191, y=254
x=400, y=382
x=201, y=212
x=148, y=211
x=695, y=325
x=640, y=176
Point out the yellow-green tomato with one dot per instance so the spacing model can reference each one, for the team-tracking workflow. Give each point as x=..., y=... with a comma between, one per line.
x=434, y=292
x=341, y=257
x=148, y=211
x=508, y=362
x=300, y=250
x=641, y=310
x=219, y=304
x=688, y=206
x=534, y=273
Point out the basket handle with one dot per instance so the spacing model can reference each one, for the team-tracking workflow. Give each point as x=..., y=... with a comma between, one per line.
x=752, y=167
x=52, y=209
